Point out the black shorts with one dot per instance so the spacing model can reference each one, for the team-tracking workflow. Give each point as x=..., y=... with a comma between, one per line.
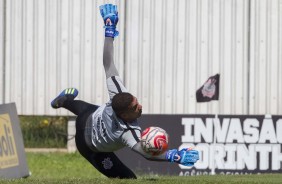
x=105, y=162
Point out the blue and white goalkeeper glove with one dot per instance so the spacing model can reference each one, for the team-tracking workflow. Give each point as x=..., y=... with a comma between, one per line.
x=110, y=15
x=186, y=156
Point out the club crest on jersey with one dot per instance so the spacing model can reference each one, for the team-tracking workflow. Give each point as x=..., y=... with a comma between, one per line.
x=107, y=163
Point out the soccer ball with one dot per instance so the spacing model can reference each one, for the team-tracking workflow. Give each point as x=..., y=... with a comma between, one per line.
x=154, y=140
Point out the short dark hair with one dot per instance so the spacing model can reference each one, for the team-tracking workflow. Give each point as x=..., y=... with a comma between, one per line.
x=121, y=102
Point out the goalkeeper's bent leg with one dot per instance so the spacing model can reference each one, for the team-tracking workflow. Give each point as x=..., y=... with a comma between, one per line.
x=106, y=163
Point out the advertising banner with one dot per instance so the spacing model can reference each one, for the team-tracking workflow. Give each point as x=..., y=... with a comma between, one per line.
x=228, y=144
x=12, y=156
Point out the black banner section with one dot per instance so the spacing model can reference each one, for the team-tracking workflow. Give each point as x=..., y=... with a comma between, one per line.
x=229, y=144
x=12, y=155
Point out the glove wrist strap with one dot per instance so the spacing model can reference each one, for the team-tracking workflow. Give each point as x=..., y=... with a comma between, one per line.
x=111, y=32
x=170, y=155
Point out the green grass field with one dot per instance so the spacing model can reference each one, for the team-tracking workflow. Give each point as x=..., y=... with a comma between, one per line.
x=72, y=168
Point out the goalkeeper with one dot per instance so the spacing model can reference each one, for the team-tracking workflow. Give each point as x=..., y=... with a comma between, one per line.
x=101, y=130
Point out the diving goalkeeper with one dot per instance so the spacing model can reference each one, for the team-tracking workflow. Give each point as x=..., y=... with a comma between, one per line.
x=101, y=130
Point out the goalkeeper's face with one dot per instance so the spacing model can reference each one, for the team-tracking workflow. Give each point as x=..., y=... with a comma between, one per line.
x=134, y=110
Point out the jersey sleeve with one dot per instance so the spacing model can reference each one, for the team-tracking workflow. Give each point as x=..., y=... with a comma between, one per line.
x=115, y=85
x=131, y=137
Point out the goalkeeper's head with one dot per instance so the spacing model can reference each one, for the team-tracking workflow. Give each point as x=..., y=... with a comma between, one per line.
x=126, y=107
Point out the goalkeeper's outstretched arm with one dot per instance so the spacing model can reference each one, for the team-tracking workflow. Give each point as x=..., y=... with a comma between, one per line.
x=108, y=58
x=138, y=149
x=110, y=16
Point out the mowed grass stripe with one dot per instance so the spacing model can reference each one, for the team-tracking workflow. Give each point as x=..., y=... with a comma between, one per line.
x=72, y=168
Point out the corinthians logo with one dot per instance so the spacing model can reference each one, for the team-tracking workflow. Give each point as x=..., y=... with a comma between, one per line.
x=107, y=163
x=209, y=88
